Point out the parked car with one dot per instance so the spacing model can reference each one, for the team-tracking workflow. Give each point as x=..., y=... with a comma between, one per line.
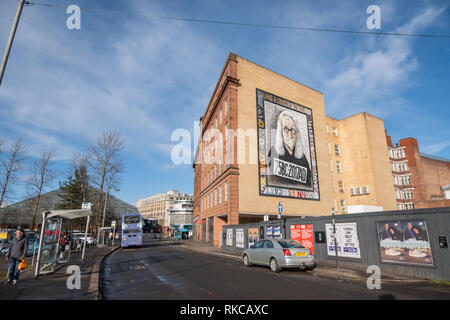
x=278, y=254
x=89, y=240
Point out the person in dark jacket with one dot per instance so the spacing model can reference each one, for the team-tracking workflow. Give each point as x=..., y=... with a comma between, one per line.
x=17, y=250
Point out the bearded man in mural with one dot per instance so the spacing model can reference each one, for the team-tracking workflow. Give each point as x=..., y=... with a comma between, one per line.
x=287, y=161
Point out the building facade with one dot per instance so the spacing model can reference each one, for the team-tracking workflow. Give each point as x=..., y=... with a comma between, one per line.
x=420, y=180
x=180, y=213
x=264, y=145
x=156, y=207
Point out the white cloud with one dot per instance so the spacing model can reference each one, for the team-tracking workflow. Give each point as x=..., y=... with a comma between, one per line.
x=373, y=76
x=145, y=74
x=436, y=147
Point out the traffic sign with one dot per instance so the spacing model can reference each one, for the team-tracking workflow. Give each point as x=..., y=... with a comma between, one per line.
x=280, y=208
x=86, y=205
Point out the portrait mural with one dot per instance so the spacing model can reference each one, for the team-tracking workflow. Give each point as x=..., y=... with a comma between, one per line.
x=287, y=154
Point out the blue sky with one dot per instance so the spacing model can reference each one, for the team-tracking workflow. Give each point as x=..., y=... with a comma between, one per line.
x=147, y=77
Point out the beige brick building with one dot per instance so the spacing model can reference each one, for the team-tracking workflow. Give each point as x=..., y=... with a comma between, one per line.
x=156, y=207
x=266, y=140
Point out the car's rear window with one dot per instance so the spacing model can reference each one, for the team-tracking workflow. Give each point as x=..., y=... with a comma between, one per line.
x=290, y=244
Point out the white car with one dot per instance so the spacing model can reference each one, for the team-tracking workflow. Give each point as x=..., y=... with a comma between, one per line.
x=89, y=240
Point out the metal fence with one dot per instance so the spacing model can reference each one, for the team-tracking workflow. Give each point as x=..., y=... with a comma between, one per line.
x=426, y=256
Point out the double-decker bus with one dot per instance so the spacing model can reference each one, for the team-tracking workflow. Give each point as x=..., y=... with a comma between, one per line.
x=132, y=229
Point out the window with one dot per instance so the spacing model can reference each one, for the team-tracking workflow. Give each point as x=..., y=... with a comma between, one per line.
x=337, y=150
x=331, y=165
x=226, y=131
x=220, y=195
x=259, y=244
x=329, y=148
x=338, y=167
x=335, y=131
x=226, y=191
x=341, y=186
x=226, y=106
x=220, y=116
x=215, y=197
x=328, y=131
x=343, y=205
x=226, y=159
x=216, y=122
x=268, y=244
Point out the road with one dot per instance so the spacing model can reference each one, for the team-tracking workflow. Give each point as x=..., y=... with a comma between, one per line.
x=166, y=271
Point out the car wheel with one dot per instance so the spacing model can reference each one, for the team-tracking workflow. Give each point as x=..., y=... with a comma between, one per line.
x=311, y=268
x=246, y=261
x=274, y=265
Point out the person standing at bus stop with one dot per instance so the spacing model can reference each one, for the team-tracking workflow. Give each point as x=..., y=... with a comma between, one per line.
x=17, y=251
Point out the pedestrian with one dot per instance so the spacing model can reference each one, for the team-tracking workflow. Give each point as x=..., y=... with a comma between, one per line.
x=62, y=244
x=17, y=251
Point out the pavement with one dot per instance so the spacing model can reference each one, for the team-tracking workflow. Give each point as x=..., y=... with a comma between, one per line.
x=323, y=269
x=53, y=286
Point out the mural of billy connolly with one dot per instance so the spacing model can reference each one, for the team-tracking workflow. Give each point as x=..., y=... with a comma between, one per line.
x=287, y=156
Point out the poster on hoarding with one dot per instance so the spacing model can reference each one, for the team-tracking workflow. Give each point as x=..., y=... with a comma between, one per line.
x=269, y=232
x=277, y=232
x=229, y=237
x=303, y=233
x=240, y=238
x=405, y=242
x=253, y=236
x=287, y=155
x=347, y=240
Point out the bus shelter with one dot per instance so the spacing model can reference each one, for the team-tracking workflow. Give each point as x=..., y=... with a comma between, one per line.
x=48, y=250
x=106, y=236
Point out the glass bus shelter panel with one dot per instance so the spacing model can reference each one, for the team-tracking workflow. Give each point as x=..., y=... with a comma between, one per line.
x=50, y=244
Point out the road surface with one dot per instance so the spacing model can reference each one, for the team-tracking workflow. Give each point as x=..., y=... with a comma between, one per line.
x=163, y=270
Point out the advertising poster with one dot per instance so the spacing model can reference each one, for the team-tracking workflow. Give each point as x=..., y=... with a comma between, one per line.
x=277, y=232
x=229, y=237
x=287, y=156
x=253, y=236
x=269, y=232
x=303, y=233
x=405, y=241
x=240, y=238
x=347, y=240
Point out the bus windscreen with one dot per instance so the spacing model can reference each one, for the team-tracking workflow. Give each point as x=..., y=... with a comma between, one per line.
x=131, y=219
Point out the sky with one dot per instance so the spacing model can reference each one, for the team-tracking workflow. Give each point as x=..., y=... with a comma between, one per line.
x=146, y=76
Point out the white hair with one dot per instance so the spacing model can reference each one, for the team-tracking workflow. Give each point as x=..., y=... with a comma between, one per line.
x=279, y=143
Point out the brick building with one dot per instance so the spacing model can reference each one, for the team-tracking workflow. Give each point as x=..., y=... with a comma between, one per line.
x=420, y=180
x=265, y=140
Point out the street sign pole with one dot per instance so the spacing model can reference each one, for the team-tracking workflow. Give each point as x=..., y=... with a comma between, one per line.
x=335, y=238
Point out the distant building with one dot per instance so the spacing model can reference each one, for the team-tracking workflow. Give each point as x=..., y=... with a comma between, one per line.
x=156, y=207
x=180, y=213
x=420, y=180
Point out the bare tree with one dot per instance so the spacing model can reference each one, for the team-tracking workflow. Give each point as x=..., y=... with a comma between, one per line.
x=106, y=164
x=10, y=165
x=41, y=176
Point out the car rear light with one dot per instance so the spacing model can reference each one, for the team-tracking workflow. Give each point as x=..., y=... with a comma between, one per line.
x=287, y=252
